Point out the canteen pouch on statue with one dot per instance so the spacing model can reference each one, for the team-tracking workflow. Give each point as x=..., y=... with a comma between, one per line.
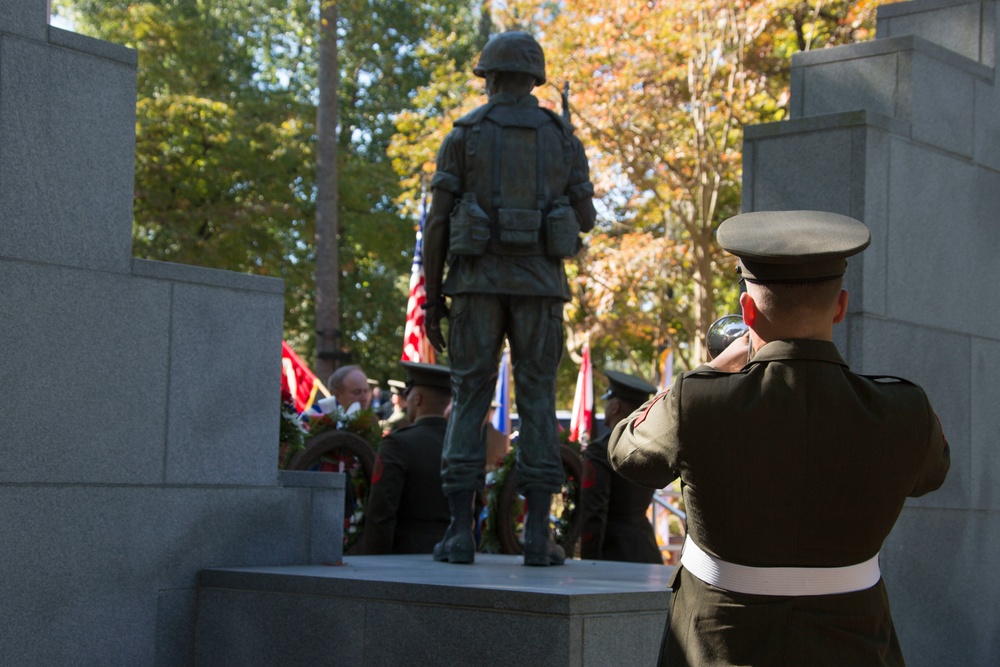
x=470, y=227
x=519, y=229
x=562, y=230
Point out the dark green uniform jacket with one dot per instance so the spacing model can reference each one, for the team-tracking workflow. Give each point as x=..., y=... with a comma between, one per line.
x=613, y=509
x=407, y=513
x=793, y=462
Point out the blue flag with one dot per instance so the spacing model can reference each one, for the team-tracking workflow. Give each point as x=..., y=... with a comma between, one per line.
x=501, y=416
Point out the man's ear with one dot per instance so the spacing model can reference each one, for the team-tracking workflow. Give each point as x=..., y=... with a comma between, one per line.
x=841, y=312
x=749, y=309
x=415, y=397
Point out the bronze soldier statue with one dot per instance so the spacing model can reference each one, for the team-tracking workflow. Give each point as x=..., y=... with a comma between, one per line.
x=511, y=195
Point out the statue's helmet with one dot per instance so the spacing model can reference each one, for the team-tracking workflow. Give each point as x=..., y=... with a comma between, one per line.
x=512, y=51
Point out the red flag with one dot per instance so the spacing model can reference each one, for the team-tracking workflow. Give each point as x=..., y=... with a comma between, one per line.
x=583, y=401
x=296, y=378
x=416, y=347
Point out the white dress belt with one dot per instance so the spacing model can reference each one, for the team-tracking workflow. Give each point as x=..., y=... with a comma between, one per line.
x=792, y=581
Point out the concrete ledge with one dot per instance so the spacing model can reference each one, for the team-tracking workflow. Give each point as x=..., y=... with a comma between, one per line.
x=967, y=27
x=94, y=47
x=326, y=544
x=308, y=479
x=830, y=121
x=185, y=273
x=882, y=47
x=380, y=610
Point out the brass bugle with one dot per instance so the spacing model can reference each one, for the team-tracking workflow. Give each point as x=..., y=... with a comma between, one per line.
x=724, y=331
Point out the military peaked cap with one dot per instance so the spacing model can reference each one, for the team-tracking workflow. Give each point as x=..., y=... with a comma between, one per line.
x=792, y=246
x=627, y=387
x=426, y=375
x=396, y=386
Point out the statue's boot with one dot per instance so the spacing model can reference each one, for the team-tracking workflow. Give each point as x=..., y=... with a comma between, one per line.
x=539, y=547
x=458, y=545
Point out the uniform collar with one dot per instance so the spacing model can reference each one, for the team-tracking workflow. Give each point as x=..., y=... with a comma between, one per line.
x=808, y=349
x=427, y=418
x=508, y=99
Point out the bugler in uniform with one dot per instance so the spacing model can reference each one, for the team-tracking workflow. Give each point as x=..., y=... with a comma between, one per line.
x=793, y=469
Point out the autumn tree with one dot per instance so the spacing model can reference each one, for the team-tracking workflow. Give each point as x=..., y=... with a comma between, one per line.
x=226, y=144
x=660, y=93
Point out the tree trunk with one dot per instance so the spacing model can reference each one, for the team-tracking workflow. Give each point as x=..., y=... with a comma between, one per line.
x=327, y=266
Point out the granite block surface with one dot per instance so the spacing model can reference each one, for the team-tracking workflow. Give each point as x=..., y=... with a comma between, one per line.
x=634, y=639
x=939, y=570
x=420, y=612
x=224, y=402
x=943, y=105
x=87, y=352
x=67, y=138
x=957, y=25
x=984, y=439
x=783, y=180
x=28, y=18
x=327, y=500
x=987, y=125
x=176, y=613
x=852, y=83
x=240, y=628
x=415, y=634
x=942, y=241
x=105, y=573
x=939, y=362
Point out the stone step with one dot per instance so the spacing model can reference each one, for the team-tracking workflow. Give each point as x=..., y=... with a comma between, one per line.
x=411, y=610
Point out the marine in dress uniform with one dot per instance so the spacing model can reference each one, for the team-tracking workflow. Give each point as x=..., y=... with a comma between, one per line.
x=396, y=419
x=511, y=194
x=407, y=513
x=793, y=468
x=613, y=509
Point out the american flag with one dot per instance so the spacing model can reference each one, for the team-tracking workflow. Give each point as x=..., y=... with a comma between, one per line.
x=416, y=347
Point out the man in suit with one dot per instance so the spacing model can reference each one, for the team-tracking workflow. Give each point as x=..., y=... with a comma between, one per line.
x=613, y=509
x=407, y=512
x=793, y=468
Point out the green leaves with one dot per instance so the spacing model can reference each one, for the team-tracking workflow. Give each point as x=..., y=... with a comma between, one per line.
x=225, y=145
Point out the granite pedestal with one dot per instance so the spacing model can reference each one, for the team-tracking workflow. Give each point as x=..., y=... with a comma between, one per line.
x=410, y=610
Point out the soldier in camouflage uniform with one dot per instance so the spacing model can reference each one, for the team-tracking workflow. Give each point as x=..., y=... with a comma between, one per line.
x=511, y=195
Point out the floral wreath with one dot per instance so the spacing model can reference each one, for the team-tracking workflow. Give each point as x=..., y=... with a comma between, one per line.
x=489, y=540
x=295, y=432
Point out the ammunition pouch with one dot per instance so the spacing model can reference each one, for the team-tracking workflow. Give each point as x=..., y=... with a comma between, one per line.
x=469, y=227
x=562, y=230
x=519, y=230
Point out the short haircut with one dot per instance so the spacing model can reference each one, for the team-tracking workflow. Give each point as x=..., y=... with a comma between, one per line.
x=437, y=398
x=795, y=299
